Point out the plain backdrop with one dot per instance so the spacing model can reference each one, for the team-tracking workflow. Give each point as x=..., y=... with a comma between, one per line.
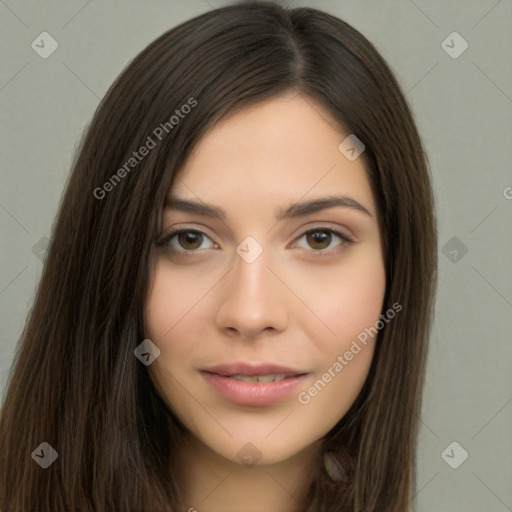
x=462, y=102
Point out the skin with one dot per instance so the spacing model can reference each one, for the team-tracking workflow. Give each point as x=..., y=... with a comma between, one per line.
x=289, y=306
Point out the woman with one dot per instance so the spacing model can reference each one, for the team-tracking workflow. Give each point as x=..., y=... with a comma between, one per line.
x=195, y=344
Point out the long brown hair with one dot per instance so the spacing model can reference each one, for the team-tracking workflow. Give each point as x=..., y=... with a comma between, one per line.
x=75, y=383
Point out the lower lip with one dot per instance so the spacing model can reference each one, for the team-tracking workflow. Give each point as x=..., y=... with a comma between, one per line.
x=253, y=393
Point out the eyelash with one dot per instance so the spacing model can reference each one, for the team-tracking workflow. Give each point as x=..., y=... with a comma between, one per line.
x=164, y=242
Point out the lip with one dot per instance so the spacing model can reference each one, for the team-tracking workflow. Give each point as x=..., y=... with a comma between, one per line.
x=251, y=369
x=253, y=393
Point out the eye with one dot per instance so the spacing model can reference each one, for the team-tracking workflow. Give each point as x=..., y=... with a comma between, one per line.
x=188, y=240
x=321, y=238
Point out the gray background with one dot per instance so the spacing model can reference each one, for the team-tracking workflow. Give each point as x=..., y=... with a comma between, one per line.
x=463, y=108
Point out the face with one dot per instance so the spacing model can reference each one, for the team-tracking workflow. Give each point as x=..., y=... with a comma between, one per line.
x=256, y=287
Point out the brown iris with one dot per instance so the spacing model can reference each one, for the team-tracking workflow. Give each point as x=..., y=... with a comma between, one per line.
x=318, y=237
x=190, y=237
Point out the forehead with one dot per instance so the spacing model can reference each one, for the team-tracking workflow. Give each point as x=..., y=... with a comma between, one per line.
x=280, y=150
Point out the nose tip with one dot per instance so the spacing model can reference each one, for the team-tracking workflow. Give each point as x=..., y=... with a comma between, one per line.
x=248, y=333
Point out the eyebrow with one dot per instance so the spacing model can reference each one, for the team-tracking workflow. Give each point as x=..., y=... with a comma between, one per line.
x=298, y=209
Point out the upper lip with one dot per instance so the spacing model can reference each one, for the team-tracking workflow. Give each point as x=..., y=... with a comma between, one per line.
x=252, y=369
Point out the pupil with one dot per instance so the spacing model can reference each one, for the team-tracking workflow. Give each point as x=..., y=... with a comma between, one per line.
x=319, y=237
x=189, y=237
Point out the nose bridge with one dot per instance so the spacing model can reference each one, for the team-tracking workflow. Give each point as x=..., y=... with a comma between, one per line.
x=255, y=299
x=252, y=276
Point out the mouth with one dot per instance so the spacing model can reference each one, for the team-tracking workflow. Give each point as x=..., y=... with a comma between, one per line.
x=273, y=377
x=243, y=369
x=254, y=385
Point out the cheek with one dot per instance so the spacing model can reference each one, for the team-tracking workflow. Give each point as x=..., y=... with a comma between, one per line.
x=349, y=302
x=174, y=303
x=330, y=395
x=345, y=300
x=169, y=307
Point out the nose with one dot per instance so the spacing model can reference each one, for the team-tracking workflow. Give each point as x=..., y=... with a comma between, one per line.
x=254, y=301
